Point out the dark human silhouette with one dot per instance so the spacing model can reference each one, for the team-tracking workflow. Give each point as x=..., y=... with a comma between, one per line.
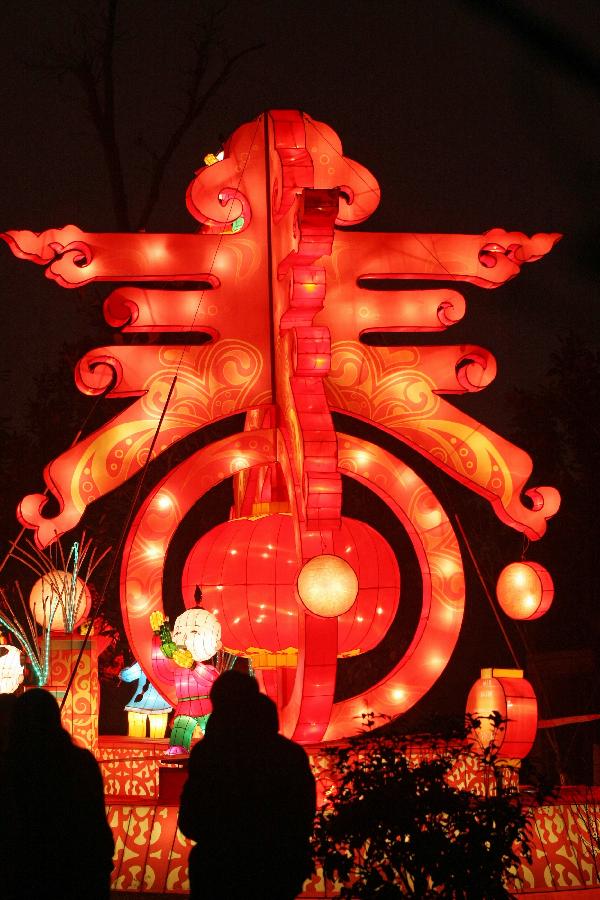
x=55, y=841
x=249, y=801
x=7, y=703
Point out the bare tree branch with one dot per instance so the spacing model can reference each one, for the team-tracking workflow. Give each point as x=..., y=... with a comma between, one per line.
x=109, y=141
x=89, y=58
x=196, y=104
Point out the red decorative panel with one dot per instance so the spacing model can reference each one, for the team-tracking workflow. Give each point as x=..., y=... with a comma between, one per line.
x=130, y=766
x=80, y=712
x=150, y=852
x=565, y=845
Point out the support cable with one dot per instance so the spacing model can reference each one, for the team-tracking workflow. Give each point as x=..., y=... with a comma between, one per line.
x=119, y=546
x=487, y=591
x=96, y=609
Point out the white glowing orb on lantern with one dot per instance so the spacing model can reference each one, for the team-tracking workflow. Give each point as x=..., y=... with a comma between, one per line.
x=55, y=591
x=525, y=590
x=199, y=631
x=327, y=586
x=11, y=668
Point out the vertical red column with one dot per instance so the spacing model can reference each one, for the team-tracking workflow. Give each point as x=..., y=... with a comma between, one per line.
x=80, y=712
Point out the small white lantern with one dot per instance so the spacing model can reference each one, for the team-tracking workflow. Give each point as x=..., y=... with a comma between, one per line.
x=11, y=669
x=199, y=631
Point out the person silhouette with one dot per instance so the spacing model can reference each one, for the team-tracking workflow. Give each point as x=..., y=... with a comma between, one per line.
x=7, y=705
x=55, y=841
x=249, y=801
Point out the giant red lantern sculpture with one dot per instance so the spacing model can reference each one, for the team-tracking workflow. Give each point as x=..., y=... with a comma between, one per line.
x=282, y=297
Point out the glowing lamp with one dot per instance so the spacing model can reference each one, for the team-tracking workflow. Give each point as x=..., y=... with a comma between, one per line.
x=327, y=586
x=248, y=569
x=525, y=590
x=55, y=591
x=11, y=669
x=199, y=631
x=504, y=691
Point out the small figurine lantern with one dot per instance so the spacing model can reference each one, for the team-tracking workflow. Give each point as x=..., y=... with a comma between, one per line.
x=181, y=658
x=146, y=705
x=11, y=669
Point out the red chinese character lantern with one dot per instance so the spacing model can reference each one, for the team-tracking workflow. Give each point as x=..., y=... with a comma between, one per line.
x=504, y=691
x=525, y=590
x=294, y=592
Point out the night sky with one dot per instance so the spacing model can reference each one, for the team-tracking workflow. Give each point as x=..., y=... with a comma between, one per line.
x=470, y=116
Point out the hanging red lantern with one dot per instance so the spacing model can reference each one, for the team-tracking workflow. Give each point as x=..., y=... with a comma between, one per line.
x=506, y=692
x=525, y=590
x=249, y=568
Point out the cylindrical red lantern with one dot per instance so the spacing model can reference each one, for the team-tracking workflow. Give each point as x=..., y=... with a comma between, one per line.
x=248, y=569
x=504, y=691
x=525, y=590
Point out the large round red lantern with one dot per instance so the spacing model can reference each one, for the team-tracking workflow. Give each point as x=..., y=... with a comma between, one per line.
x=504, y=691
x=525, y=590
x=249, y=567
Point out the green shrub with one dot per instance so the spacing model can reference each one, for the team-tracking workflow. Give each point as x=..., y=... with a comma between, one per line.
x=393, y=826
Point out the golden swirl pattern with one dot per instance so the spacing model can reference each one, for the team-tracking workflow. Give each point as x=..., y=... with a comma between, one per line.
x=378, y=386
x=399, y=390
x=212, y=382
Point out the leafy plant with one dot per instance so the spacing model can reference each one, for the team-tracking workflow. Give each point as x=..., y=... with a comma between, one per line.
x=392, y=824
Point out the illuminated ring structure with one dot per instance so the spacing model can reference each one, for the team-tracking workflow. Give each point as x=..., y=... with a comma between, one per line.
x=412, y=502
